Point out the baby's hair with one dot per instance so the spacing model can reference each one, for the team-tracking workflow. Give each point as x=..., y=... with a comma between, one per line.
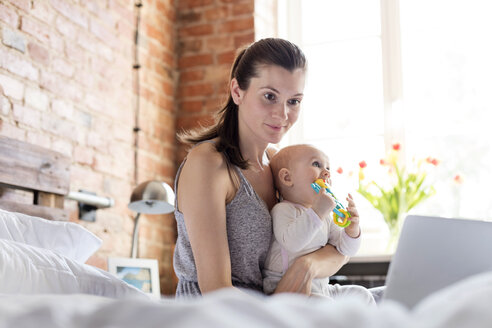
x=282, y=159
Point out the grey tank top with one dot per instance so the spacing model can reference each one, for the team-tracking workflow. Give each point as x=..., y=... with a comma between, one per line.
x=249, y=230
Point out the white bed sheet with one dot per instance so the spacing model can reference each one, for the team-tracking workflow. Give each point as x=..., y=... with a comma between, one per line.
x=465, y=304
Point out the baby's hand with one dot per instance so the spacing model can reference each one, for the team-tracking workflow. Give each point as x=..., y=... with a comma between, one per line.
x=353, y=229
x=323, y=204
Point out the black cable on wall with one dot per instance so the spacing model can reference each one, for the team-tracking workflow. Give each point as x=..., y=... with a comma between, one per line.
x=136, y=75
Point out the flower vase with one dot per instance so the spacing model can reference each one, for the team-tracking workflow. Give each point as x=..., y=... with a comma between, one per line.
x=394, y=226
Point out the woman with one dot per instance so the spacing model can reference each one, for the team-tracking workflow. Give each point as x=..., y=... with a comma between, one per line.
x=225, y=187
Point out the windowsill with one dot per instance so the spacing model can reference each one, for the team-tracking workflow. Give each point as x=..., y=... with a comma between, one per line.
x=383, y=258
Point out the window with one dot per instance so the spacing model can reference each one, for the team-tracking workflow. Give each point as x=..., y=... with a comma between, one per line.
x=416, y=72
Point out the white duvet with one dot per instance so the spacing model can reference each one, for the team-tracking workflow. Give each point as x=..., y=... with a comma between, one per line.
x=465, y=304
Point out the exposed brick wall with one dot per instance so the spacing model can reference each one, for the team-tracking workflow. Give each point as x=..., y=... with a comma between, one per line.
x=209, y=32
x=66, y=84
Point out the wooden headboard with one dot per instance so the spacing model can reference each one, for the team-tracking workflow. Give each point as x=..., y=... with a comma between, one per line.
x=33, y=179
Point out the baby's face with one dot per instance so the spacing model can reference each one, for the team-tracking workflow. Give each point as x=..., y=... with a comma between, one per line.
x=308, y=165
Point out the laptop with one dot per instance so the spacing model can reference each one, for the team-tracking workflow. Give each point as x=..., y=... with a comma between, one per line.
x=433, y=253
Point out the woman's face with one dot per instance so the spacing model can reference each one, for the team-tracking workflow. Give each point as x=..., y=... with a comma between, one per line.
x=271, y=104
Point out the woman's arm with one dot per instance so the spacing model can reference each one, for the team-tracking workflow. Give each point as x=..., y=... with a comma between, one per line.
x=322, y=263
x=203, y=189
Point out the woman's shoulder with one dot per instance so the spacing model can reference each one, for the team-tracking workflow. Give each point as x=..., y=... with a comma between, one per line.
x=205, y=175
x=204, y=157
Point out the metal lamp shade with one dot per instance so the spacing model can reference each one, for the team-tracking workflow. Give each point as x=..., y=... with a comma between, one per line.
x=152, y=197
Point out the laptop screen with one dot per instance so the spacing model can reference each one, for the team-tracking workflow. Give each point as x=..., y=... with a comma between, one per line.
x=433, y=253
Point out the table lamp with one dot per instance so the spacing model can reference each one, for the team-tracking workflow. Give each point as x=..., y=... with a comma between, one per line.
x=150, y=197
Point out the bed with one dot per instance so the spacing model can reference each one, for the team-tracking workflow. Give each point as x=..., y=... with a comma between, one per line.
x=33, y=179
x=44, y=281
x=40, y=251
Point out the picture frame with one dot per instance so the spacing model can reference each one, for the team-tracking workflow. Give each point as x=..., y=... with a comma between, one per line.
x=140, y=273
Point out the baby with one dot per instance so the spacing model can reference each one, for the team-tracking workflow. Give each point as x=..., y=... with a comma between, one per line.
x=302, y=221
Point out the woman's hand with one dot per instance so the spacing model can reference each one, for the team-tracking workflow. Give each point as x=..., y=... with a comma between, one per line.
x=298, y=277
x=322, y=263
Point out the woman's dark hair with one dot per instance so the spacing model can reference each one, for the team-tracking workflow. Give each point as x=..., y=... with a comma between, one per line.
x=270, y=51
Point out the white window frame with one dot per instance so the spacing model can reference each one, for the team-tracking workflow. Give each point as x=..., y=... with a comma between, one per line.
x=290, y=27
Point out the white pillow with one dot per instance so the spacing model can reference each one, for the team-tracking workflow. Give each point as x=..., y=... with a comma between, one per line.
x=66, y=238
x=25, y=269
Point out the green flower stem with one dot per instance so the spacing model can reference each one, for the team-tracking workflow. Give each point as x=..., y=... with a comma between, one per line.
x=407, y=191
